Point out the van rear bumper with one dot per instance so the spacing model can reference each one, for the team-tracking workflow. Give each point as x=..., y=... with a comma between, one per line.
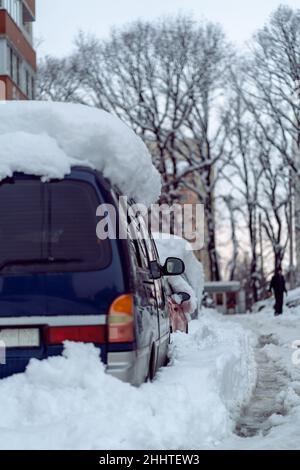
x=123, y=366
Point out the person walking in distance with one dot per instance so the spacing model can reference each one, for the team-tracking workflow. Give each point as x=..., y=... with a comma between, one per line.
x=278, y=287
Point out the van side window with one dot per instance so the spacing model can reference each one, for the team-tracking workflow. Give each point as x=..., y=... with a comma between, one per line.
x=134, y=250
x=137, y=243
x=153, y=255
x=146, y=237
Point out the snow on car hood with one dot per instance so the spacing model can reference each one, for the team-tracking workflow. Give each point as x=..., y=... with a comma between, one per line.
x=46, y=139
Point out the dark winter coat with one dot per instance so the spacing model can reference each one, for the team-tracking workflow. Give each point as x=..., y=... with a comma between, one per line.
x=278, y=284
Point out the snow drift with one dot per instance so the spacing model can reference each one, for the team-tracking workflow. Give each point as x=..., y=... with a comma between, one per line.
x=69, y=402
x=47, y=139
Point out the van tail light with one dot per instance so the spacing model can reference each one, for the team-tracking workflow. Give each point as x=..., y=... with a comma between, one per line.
x=121, y=320
x=82, y=334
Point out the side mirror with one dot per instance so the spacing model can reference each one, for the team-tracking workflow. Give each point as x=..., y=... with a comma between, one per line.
x=155, y=270
x=185, y=297
x=173, y=267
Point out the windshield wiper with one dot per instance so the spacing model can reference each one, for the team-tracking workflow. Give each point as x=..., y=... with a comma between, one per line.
x=39, y=261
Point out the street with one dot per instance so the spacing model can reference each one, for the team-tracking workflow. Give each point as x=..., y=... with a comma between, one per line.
x=230, y=377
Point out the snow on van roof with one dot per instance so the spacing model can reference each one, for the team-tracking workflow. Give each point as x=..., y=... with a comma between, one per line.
x=46, y=139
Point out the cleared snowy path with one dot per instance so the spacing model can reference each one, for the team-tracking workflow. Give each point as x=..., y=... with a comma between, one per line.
x=271, y=380
x=271, y=420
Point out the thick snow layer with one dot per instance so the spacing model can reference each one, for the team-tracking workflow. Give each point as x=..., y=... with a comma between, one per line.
x=70, y=403
x=176, y=246
x=47, y=139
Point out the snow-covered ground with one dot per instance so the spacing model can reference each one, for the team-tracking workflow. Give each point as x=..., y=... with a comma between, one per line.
x=274, y=410
x=70, y=403
x=230, y=377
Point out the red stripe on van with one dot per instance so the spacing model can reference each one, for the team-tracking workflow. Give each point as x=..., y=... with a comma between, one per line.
x=83, y=334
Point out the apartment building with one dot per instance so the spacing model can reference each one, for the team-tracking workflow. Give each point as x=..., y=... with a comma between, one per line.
x=17, y=54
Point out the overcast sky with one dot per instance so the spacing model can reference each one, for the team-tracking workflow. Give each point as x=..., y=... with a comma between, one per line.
x=58, y=22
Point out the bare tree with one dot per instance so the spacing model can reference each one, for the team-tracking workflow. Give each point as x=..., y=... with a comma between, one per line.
x=243, y=175
x=205, y=150
x=59, y=80
x=261, y=181
x=265, y=84
x=274, y=200
x=226, y=132
x=165, y=79
x=140, y=74
x=273, y=73
x=233, y=209
x=273, y=76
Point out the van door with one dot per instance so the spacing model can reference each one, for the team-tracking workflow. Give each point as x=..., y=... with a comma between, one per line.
x=147, y=321
x=162, y=310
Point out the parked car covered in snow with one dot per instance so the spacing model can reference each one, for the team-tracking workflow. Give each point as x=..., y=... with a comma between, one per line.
x=185, y=291
x=58, y=280
x=179, y=307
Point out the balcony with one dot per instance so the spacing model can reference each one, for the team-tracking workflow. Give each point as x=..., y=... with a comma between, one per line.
x=17, y=37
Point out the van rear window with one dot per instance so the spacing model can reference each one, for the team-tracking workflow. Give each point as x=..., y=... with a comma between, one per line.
x=50, y=227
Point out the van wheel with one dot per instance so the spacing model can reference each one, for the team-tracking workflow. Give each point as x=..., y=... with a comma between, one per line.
x=151, y=371
x=167, y=361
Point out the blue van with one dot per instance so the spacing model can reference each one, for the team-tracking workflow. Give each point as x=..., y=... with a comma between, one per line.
x=59, y=282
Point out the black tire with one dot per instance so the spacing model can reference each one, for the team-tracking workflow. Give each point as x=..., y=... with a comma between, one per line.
x=167, y=361
x=151, y=370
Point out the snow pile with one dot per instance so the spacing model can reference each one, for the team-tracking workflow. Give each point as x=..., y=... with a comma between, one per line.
x=171, y=245
x=70, y=403
x=47, y=139
x=293, y=298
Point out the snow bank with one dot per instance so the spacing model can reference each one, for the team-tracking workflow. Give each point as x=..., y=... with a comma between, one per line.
x=176, y=246
x=293, y=298
x=47, y=139
x=70, y=403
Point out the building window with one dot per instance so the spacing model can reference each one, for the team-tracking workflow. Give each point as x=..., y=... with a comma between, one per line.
x=32, y=88
x=11, y=61
x=8, y=62
x=14, y=66
x=27, y=83
x=18, y=77
x=15, y=10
